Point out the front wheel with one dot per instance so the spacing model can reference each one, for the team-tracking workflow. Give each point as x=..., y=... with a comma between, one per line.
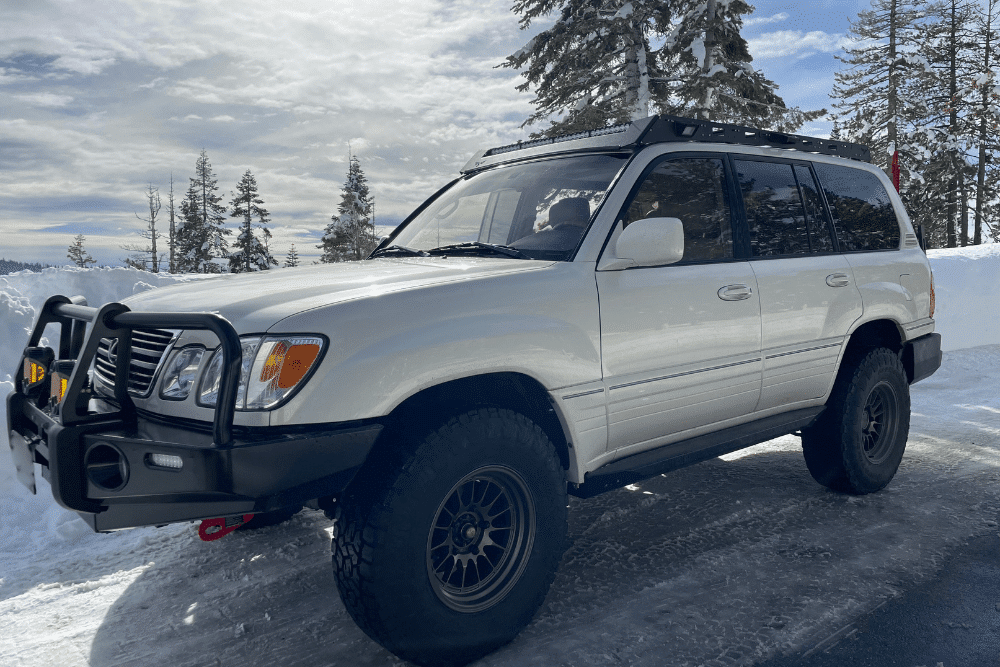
x=858, y=443
x=448, y=554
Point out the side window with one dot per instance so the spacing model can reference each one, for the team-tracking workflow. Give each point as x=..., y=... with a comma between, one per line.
x=861, y=208
x=775, y=214
x=819, y=229
x=693, y=190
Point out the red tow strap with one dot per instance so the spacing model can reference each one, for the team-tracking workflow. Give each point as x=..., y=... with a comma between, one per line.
x=214, y=529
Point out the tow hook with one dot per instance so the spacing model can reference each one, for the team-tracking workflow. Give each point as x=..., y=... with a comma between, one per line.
x=214, y=529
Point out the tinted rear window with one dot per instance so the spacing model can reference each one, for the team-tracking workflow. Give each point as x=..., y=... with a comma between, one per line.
x=861, y=209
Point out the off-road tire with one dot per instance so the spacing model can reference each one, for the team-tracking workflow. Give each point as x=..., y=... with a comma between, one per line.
x=858, y=442
x=394, y=533
x=273, y=518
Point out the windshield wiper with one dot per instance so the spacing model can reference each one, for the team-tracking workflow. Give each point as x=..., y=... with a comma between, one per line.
x=477, y=246
x=400, y=250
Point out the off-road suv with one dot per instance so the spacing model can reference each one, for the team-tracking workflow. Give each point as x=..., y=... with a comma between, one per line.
x=567, y=316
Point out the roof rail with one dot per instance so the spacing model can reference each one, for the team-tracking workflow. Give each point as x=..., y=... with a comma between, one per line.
x=666, y=129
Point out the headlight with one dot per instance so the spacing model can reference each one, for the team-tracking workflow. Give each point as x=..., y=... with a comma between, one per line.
x=281, y=364
x=209, y=392
x=272, y=368
x=181, y=372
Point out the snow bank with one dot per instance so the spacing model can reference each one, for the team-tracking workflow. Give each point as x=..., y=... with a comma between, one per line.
x=966, y=284
x=31, y=521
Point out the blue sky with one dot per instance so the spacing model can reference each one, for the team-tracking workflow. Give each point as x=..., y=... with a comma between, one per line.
x=99, y=98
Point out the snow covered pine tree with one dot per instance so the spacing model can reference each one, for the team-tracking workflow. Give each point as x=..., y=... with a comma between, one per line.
x=77, y=253
x=292, y=259
x=249, y=253
x=351, y=233
x=201, y=233
x=598, y=66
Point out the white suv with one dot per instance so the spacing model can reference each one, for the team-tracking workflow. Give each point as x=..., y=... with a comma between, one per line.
x=567, y=316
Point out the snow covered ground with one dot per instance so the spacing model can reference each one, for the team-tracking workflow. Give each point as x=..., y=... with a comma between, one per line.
x=723, y=563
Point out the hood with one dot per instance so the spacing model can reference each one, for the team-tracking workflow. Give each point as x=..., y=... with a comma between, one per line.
x=254, y=302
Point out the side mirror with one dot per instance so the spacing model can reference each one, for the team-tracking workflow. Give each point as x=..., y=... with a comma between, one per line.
x=650, y=242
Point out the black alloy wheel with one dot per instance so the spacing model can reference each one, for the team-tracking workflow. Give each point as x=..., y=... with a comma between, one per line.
x=878, y=429
x=480, y=539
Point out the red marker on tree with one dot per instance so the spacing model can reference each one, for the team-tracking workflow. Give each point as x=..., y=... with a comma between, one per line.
x=895, y=169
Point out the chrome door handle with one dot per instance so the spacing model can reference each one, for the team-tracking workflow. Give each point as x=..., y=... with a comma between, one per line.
x=838, y=280
x=735, y=292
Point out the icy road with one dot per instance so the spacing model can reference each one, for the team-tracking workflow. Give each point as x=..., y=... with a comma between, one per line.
x=724, y=563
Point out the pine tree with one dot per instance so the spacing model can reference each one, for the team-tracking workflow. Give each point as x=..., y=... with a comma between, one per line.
x=868, y=94
x=615, y=61
x=250, y=254
x=716, y=81
x=78, y=254
x=595, y=65
x=292, y=259
x=201, y=234
x=945, y=127
x=144, y=256
x=350, y=234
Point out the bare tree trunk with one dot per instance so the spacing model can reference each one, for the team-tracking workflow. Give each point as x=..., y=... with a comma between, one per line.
x=953, y=124
x=172, y=239
x=977, y=234
x=154, y=260
x=709, y=101
x=963, y=190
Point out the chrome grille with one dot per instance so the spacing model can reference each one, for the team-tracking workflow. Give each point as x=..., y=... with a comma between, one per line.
x=148, y=348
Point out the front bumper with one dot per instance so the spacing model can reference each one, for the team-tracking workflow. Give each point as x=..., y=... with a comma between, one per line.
x=106, y=473
x=100, y=462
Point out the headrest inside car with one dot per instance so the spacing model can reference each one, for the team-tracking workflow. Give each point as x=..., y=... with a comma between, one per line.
x=572, y=210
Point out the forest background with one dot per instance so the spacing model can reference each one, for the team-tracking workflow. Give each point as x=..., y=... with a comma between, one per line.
x=105, y=100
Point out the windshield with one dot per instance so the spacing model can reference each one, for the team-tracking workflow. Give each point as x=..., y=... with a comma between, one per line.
x=541, y=208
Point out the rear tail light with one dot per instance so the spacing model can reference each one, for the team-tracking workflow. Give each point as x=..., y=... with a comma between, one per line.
x=932, y=295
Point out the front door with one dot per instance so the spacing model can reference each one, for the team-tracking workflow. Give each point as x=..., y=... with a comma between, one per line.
x=680, y=344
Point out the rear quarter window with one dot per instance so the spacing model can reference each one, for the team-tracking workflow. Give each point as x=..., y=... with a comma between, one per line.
x=862, y=211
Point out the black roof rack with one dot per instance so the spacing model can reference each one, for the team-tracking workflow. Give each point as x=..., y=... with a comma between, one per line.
x=673, y=128
x=666, y=129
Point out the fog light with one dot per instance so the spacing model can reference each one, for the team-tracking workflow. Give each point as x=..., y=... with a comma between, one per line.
x=59, y=377
x=165, y=461
x=35, y=372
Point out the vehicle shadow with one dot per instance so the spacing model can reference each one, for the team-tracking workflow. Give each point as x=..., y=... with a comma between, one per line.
x=269, y=597
x=747, y=554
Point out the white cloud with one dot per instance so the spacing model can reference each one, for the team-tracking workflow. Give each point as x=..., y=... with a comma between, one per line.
x=764, y=20
x=223, y=119
x=796, y=43
x=45, y=99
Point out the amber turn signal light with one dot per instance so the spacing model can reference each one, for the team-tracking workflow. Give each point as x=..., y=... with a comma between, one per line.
x=287, y=364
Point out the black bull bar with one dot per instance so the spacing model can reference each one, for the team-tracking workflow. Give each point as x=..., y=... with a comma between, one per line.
x=55, y=434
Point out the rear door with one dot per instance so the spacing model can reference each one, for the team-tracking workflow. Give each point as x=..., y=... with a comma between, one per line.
x=808, y=296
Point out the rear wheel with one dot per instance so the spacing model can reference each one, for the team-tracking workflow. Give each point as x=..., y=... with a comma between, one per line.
x=448, y=553
x=858, y=443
